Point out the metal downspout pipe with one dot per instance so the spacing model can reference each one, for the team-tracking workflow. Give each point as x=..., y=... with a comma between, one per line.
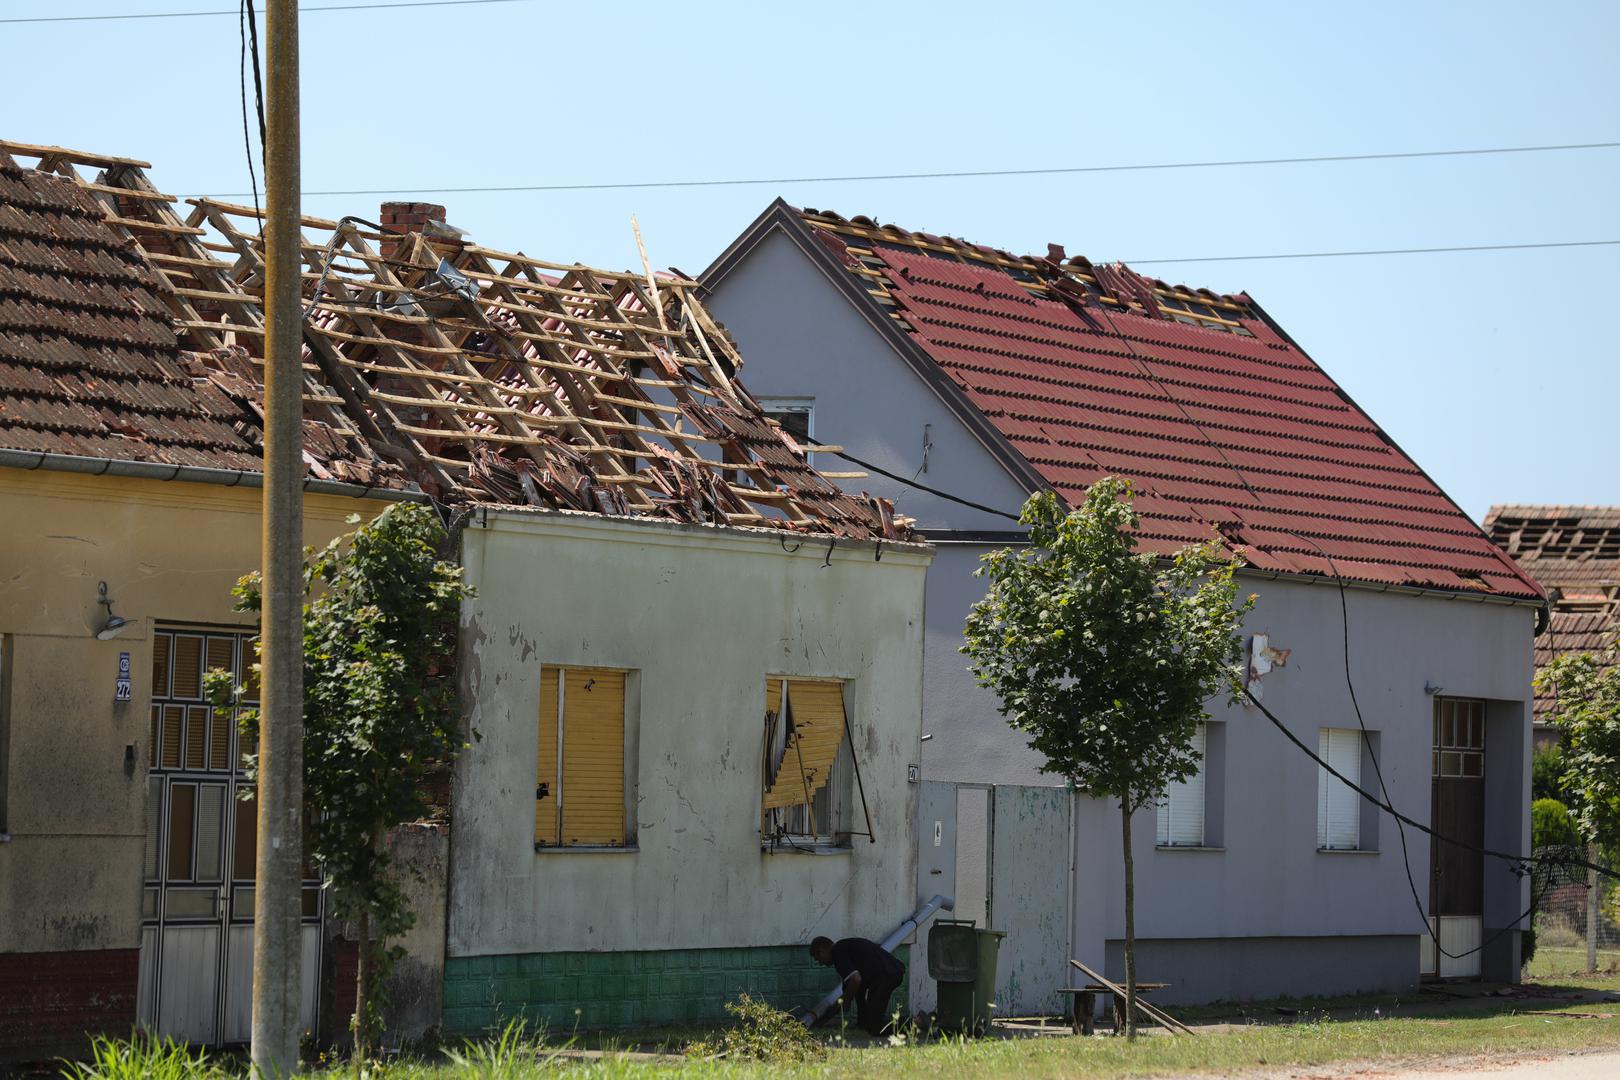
x=815, y=1014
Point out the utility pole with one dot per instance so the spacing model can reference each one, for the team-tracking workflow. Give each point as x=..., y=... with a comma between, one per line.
x=277, y=948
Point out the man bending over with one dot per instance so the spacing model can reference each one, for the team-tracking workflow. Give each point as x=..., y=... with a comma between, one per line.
x=870, y=975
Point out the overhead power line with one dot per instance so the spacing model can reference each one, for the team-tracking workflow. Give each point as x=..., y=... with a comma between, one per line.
x=961, y=173
x=1378, y=251
x=206, y=14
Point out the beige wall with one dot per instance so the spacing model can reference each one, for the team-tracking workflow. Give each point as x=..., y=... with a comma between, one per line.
x=70, y=874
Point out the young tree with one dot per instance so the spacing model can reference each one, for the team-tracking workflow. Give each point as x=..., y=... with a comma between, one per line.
x=1106, y=657
x=379, y=619
x=1588, y=714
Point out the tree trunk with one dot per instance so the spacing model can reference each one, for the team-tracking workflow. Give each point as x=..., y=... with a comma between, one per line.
x=1130, y=921
x=1594, y=885
x=362, y=980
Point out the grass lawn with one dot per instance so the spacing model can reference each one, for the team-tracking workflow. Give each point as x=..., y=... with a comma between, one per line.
x=1447, y=1028
x=1559, y=1015
x=1555, y=962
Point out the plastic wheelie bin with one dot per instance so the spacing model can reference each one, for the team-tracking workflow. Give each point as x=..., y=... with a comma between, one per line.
x=962, y=962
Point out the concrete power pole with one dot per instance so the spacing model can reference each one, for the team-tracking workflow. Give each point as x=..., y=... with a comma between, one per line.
x=277, y=948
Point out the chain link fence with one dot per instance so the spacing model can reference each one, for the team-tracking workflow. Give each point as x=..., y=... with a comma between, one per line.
x=1567, y=927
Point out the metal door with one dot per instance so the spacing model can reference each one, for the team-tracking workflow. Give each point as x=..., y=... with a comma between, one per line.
x=196, y=966
x=1030, y=870
x=1457, y=874
x=1003, y=853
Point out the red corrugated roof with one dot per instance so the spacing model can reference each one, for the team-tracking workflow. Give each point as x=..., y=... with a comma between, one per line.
x=1222, y=422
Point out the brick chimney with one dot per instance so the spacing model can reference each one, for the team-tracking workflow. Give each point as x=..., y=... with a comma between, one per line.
x=406, y=217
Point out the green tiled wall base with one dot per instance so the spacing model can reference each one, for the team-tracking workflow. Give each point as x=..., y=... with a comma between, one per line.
x=592, y=990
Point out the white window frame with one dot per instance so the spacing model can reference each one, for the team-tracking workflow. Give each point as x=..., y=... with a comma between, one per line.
x=806, y=405
x=1338, y=807
x=1182, y=809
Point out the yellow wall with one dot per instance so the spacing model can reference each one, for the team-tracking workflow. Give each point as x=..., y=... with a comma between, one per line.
x=70, y=876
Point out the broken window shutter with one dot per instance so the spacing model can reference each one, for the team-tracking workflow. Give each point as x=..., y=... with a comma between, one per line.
x=546, y=792
x=818, y=730
x=593, y=756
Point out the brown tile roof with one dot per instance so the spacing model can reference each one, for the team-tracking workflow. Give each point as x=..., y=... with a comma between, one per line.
x=1571, y=632
x=482, y=375
x=1574, y=552
x=89, y=364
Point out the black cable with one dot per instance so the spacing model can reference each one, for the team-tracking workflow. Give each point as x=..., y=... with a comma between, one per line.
x=244, y=14
x=331, y=250
x=910, y=483
x=1344, y=617
x=1522, y=860
x=258, y=76
x=957, y=174
x=1376, y=251
x=301, y=11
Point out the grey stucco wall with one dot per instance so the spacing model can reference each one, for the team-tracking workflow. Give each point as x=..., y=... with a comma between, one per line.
x=799, y=336
x=1221, y=969
x=802, y=338
x=416, y=983
x=703, y=616
x=1270, y=880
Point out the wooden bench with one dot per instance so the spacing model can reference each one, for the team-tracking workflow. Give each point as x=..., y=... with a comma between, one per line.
x=1083, y=1015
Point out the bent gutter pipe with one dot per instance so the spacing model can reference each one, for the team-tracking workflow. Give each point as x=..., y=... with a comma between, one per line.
x=31, y=460
x=814, y=1015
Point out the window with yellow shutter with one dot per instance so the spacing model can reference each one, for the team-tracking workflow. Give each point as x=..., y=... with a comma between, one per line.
x=580, y=795
x=809, y=774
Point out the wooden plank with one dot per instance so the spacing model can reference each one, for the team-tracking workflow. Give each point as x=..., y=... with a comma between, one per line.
x=1164, y=1020
x=156, y=226
x=100, y=161
x=151, y=196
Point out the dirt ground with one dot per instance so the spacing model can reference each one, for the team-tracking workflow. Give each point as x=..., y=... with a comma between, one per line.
x=1538, y=1067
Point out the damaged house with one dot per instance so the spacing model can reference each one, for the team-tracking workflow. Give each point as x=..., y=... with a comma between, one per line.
x=1573, y=552
x=691, y=673
x=983, y=376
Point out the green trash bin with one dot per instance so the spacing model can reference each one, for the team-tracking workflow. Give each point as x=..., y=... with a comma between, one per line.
x=962, y=962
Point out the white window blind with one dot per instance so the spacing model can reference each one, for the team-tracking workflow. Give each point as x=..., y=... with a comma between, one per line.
x=1338, y=807
x=1181, y=811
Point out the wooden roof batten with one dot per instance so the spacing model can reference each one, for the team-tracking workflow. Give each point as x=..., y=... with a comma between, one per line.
x=486, y=376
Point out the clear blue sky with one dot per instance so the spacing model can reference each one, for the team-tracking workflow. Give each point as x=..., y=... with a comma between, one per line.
x=1498, y=372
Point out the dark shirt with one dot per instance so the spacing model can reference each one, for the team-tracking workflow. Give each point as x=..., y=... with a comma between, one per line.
x=875, y=963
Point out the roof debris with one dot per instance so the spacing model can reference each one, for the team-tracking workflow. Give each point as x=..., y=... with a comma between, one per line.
x=480, y=375
x=1574, y=553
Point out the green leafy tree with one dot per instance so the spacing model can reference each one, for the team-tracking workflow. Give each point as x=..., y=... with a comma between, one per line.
x=1551, y=825
x=379, y=717
x=1106, y=657
x=1547, y=773
x=1587, y=711
x=1588, y=715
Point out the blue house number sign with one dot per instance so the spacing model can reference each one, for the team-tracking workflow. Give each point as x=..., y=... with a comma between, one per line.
x=121, y=690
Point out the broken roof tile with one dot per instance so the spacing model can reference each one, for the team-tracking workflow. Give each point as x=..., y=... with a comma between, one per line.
x=481, y=375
